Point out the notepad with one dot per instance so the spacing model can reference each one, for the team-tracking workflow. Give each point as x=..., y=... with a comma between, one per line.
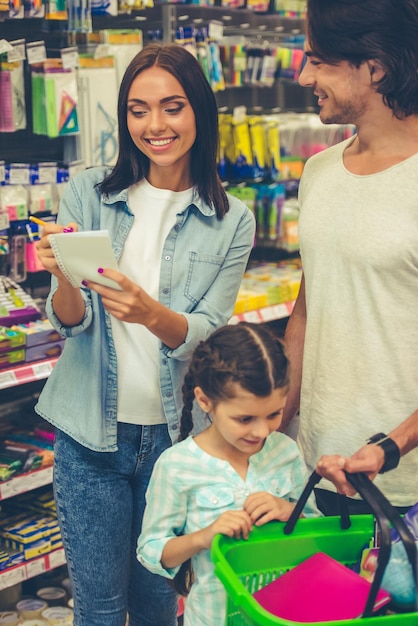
x=319, y=589
x=80, y=254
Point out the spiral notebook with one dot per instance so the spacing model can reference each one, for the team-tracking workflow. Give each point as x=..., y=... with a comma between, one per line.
x=80, y=254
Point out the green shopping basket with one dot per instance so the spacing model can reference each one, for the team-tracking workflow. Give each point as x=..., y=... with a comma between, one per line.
x=245, y=566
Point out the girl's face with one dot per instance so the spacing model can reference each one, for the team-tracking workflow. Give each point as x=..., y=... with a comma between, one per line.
x=243, y=422
x=162, y=125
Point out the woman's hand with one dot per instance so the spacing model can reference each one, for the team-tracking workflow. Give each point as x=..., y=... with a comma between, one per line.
x=130, y=303
x=44, y=251
x=262, y=507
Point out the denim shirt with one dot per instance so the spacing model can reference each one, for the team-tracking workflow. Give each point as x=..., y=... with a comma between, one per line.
x=203, y=260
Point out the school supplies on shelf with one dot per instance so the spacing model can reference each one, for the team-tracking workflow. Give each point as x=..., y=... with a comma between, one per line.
x=16, y=306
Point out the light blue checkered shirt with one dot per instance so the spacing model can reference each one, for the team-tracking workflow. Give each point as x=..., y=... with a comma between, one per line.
x=189, y=489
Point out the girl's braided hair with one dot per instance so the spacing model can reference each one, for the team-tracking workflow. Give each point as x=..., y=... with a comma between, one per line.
x=247, y=354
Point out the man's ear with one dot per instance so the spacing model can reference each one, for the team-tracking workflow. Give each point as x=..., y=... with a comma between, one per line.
x=376, y=70
x=202, y=400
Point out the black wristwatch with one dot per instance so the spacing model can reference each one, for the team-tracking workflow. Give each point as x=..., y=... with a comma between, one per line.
x=390, y=449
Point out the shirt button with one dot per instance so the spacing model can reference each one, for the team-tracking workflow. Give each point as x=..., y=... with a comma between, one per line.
x=166, y=291
x=169, y=394
x=177, y=228
x=174, y=426
x=167, y=258
x=215, y=500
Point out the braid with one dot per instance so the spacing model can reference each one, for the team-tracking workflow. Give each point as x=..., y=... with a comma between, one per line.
x=186, y=419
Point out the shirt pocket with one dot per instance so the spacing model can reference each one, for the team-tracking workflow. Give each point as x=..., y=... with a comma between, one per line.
x=280, y=487
x=212, y=498
x=203, y=269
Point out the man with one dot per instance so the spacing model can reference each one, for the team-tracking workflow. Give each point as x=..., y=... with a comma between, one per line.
x=353, y=335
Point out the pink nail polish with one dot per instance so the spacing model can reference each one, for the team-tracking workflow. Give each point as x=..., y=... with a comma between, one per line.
x=68, y=230
x=84, y=282
x=100, y=270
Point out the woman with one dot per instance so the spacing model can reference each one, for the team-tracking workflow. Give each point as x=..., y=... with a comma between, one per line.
x=182, y=246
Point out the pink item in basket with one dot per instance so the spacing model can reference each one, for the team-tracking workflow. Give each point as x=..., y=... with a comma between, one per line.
x=320, y=589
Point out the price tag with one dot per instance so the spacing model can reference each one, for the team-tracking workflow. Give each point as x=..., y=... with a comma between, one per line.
x=252, y=316
x=268, y=314
x=42, y=370
x=239, y=114
x=47, y=174
x=36, y=52
x=38, y=478
x=216, y=30
x=5, y=46
x=70, y=58
x=13, y=577
x=56, y=558
x=280, y=311
x=35, y=567
x=19, y=176
x=103, y=50
x=18, y=52
x=12, y=487
x=7, y=379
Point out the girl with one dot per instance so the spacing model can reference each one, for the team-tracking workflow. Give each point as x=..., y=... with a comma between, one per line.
x=237, y=473
x=182, y=246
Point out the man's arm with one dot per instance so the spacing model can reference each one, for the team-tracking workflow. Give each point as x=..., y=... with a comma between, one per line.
x=294, y=342
x=369, y=458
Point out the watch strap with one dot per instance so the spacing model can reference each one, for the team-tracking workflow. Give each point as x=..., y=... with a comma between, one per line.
x=390, y=449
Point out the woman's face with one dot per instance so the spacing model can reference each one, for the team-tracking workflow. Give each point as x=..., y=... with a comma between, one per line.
x=162, y=125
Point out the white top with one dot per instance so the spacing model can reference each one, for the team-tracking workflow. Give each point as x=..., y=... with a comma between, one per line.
x=359, y=248
x=136, y=347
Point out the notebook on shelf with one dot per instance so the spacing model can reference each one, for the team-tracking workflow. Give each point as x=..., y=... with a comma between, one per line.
x=320, y=589
x=80, y=254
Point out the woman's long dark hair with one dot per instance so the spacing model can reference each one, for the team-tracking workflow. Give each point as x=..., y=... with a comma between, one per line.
x=247, y=354
x=132, y=165
x=363, y=30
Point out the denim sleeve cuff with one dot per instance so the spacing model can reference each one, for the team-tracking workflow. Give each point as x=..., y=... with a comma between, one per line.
x=68, y=331
x=197, y=328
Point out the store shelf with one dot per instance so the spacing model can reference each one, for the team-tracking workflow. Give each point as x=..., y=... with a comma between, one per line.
x=266, y=314
x=17, y=574
x=25, y=482
x=26, y=373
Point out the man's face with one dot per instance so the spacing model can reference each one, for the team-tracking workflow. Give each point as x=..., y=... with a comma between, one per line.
x=344, y=91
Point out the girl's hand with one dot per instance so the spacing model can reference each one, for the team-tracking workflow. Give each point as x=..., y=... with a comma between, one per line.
x=44, y=250
x=262, y=507
x=231, y=523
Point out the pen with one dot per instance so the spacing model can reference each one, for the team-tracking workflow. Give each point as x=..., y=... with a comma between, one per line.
x=36, y=220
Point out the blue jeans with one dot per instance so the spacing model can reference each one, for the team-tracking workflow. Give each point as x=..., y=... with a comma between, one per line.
x=100, y=498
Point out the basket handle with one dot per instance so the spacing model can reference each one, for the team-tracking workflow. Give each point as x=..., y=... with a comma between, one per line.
x=385, y=514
